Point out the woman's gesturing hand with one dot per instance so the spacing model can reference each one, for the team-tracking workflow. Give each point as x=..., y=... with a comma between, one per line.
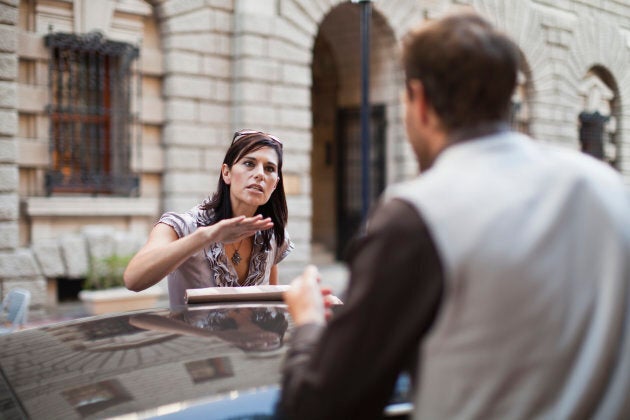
x=237, y=228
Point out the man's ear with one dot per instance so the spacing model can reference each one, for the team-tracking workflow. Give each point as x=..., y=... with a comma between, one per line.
x=417, y=100
x=225, y=173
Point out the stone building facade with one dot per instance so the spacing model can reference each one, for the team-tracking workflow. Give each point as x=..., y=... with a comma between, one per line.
x=289, y=67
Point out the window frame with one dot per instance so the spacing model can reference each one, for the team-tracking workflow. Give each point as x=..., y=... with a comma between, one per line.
x=90, y=116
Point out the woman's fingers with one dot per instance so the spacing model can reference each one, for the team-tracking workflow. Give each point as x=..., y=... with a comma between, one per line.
x=252, y=225
x=240, y=227
x=255, y=223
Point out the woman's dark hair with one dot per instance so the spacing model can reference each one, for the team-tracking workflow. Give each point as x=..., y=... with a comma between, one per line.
x=243, y=143
x=468, y=69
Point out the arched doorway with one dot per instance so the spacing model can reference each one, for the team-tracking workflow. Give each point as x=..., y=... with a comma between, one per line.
x=335, y=100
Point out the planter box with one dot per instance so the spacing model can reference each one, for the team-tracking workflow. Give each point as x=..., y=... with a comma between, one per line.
x=119, y=299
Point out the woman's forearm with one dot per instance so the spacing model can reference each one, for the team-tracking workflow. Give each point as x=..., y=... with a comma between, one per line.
x=162, y=254
x=273, y=275
x=165, y=251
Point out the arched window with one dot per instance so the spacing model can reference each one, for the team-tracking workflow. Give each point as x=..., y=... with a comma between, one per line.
x=597, y=122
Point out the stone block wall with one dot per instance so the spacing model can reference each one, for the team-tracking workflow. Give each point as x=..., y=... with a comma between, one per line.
x=196, y=41
x=221, y=65
x=17, y=267
x=31, y=247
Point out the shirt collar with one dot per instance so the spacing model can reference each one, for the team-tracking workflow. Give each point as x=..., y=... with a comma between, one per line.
x=478, y=131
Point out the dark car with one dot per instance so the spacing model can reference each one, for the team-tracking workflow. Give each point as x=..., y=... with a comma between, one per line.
x=214, y=361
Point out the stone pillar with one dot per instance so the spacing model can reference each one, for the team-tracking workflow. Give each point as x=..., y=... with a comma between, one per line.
x=17, y=266
x=196, y=38
x=8, y=144
x=272, y=77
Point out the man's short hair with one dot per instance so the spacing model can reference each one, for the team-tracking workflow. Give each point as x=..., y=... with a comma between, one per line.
x=468, y=69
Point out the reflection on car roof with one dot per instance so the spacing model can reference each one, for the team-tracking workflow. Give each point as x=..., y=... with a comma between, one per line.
x=133, y=362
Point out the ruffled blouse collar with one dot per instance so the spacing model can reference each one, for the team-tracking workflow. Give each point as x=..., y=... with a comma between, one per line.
x=224, y=273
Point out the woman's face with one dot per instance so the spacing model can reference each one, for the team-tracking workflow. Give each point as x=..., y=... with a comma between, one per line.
x=252, y=180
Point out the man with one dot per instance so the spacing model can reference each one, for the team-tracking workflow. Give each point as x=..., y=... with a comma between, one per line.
x=500, y=274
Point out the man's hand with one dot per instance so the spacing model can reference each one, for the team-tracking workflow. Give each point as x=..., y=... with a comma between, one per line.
x=305, y=300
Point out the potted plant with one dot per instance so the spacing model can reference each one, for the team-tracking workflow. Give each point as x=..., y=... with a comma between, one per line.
x=106, y=273
x=104, y=290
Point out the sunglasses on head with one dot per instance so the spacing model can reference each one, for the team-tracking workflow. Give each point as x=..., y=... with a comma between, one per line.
x=242, y=133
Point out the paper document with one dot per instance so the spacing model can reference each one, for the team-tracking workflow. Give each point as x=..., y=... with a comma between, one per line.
x=235, y=294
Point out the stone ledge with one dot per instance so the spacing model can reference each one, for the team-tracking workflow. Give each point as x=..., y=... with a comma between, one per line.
x=91, y=206
x=98, y=302
x=119, y=293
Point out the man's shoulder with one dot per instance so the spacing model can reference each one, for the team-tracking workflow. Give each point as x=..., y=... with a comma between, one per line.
x=427, y=186
x=581, y=168
x=396, y=211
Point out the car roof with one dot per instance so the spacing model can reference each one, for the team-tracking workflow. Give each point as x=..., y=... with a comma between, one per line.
x=147, y=362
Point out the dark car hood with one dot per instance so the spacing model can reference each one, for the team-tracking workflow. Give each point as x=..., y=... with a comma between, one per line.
x=145, y=361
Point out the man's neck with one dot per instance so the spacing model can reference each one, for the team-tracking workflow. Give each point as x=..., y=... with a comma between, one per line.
x=479, y=130
x=442, y=140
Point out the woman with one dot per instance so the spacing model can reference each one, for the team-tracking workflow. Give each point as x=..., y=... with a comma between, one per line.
x=236, y=237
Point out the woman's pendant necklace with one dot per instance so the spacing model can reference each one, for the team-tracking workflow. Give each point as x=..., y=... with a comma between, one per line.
x=236, y=257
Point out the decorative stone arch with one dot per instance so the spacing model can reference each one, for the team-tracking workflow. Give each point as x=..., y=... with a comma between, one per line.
x=598, y=47
x=335, y=96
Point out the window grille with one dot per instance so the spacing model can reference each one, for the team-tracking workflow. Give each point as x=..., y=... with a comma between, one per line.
x=91, y=120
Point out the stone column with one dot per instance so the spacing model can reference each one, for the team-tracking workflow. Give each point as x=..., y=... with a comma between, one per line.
x=8, y=144
x=196, y=38
x=271, y=53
